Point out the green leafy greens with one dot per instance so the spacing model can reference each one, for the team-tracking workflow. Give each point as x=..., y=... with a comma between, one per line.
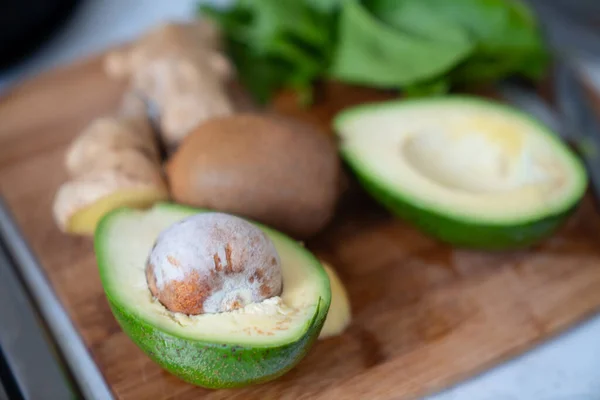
x=418, y=46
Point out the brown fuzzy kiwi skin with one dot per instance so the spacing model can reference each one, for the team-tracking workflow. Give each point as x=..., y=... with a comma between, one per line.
x=282, y=173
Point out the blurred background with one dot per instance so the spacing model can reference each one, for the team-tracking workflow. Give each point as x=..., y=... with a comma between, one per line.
x=36, y=35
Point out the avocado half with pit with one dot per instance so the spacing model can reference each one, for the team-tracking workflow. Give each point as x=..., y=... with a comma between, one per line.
x=229, y=349
x=469, y=171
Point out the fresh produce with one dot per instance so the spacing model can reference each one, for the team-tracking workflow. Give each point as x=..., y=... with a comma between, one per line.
x=178, y=68
x=249, y=345
x=114, y=162
x=110, y=142
x=418, y=46
x=272, y=170
x=468, y=171
x=212, y=263
x=80, y=203
x=339, y=315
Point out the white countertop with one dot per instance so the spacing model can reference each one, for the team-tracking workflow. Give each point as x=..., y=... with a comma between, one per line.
x=566, y=368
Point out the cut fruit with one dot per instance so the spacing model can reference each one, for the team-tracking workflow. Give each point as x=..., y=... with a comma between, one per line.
x=85, y=220
x=231, y=349
x=339, y=315
x=469, y=171
x=79, y=204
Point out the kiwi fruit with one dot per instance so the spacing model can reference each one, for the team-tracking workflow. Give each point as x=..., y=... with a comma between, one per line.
x=281, y=172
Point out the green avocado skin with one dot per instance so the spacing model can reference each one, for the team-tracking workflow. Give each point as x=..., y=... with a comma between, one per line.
x=465, y=234
x=202, y=363
x=453, y=229
x=217, y=366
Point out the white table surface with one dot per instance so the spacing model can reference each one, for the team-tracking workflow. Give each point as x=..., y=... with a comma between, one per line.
x=565, y=368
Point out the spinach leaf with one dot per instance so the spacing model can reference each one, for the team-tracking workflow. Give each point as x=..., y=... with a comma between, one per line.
x=507, y=39
x=419, y=18
x=261, y=76
x=423, y=47
x=275, y=43
x=326, y=5
x=373, y=53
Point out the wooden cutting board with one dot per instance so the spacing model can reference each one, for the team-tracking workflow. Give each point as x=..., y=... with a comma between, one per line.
x=426, y=315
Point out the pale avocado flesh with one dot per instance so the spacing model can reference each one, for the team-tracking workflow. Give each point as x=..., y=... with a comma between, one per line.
x=469, y=171
x=253, y=345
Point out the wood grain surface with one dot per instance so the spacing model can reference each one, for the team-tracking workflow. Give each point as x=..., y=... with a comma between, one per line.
x=426, y=315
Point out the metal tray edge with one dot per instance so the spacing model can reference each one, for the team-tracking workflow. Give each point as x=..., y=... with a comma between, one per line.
x=83, y=368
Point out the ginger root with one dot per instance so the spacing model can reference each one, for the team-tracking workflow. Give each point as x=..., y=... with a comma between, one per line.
x=105, y=137
x=181, y=69
x=198, y=38
x=81, y=203
x=115, y=162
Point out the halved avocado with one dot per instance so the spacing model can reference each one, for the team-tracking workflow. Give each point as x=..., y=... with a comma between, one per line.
x=230, y=349
x=469, y=171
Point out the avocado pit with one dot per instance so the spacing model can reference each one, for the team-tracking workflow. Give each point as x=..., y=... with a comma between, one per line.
x=212, y=263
